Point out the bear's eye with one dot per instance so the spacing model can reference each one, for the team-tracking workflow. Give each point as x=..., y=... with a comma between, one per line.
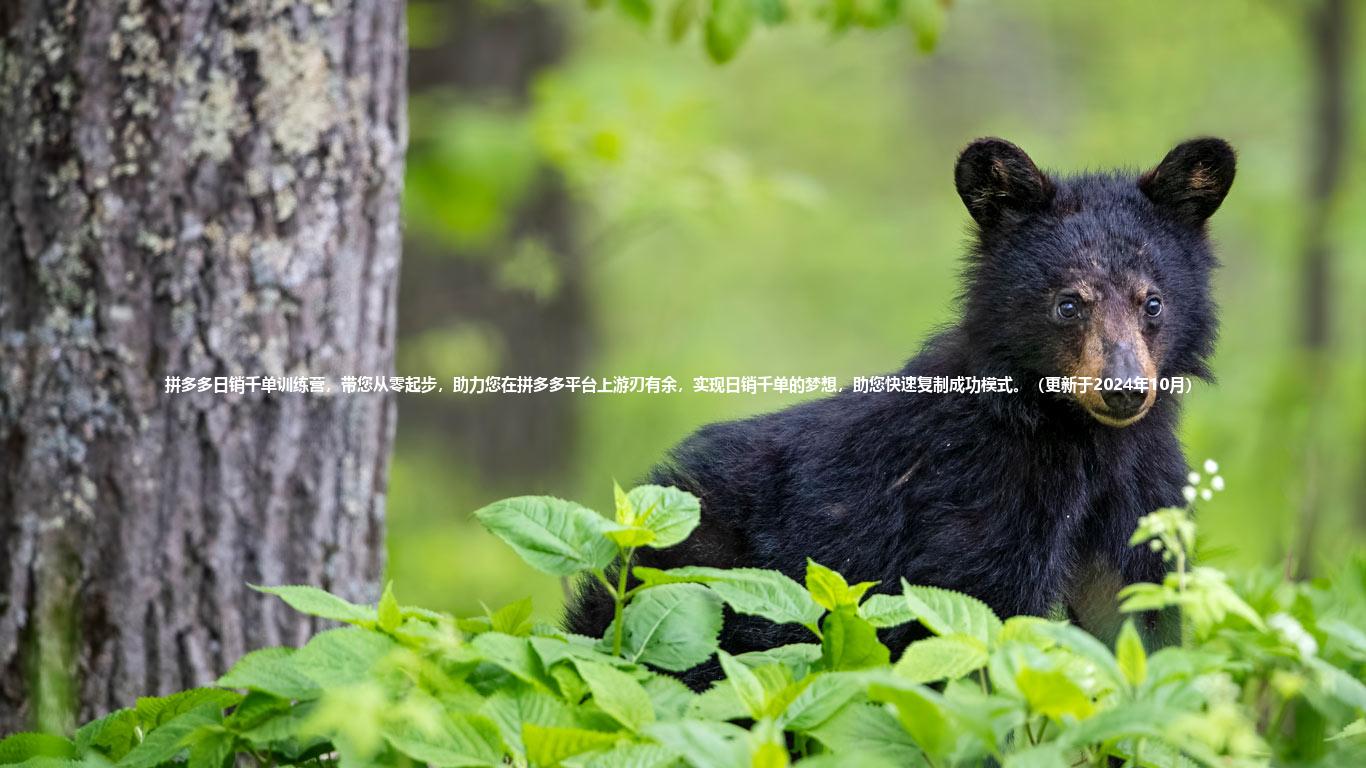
x=1153, y=306
x=1069, y=309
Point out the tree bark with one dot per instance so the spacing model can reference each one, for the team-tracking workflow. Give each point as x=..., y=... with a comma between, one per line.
x=187, y=188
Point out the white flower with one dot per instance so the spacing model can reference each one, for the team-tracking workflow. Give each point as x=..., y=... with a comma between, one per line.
x=1217, y=482
x=1207, y=494
x=1193, y=478
x=1189, y=493
x=1211, y=466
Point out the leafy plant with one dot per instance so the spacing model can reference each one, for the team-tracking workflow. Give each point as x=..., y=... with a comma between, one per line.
x=726, y=24
x=1268, y=671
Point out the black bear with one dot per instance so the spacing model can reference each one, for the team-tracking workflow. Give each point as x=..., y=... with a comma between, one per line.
x=1025, y=499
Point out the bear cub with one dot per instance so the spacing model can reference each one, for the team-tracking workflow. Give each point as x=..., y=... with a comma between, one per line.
x=1024, y=499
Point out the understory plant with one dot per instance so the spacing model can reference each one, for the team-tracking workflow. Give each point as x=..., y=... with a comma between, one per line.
x=1268, y=671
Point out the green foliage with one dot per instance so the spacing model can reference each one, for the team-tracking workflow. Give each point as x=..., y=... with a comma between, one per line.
x=727, y=24
x=554, y=536
x=811, y=178
x=468, y=165
x=672, y=627
x=1273, y=676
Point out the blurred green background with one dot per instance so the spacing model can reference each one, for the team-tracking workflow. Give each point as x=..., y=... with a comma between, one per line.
x=585, y=198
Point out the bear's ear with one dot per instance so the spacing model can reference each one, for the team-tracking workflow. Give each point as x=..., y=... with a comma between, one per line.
x=1192, y=180
x=997, y=180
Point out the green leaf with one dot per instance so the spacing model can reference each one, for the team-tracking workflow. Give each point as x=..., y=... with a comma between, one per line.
x=553, y=536
x=1208, y=600
x=1132, y=720
x=868, y=729
x=720, y=702
x=1026, y=629
x=624, y=511
x=255, y=708
x=462, y=739
x=926, y=19
x=513, y=618
x=1053, y=694
x=1008, y=659
x=830, y=590
x=631, y=537
x=771, y=12
x=769, y=754
x=852, y=757
x=292, y=732
x=270, y=670
x=515, y=655
x=747, y=686
x=670, y=697
x=945, y=612
x=1352, y=638
x=390, y=616
x=751, y=591
x=569, y=682
x=672, y=626
x=705, y=744
x=684, y=15
x=1042, y=756
x=671, y=514
x=798, y=657
x=85, y=761
x=549, y=745
x=553, y=648
x=23, y=746
x=848, y=641
x=1339, y=684
x=625, y=756
x=886, y=611
x=728, y=25
x=154, y=711
x=352, y=716
x=629, y=533
x=1133, y=660
x=922, y=714
x=821, y=697
x=618, y=694
x=985, y=716
x=113, y=735
x=1169, y=664
x=827, y=588
x=941, y=658
x=1355, y=728
x=212, y=748
x=840, y=14
x=1142, y=596
x=872, y=14
x=510, y=709
x=167, y=740
x=325, y=605
x=639, y=11
x=340, y=657
x=1085, y=645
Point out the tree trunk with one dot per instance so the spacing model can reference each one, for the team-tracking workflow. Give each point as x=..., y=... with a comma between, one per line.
x=187, y=188
x=1328, y=27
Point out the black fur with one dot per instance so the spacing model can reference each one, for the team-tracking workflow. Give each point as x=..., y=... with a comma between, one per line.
x=1013, y=498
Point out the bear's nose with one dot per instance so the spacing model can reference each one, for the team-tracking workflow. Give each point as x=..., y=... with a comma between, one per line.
x=1123, y=402
x=1124, y=388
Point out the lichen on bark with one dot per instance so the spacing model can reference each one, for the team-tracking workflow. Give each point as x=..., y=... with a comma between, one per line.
x=201, y=188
